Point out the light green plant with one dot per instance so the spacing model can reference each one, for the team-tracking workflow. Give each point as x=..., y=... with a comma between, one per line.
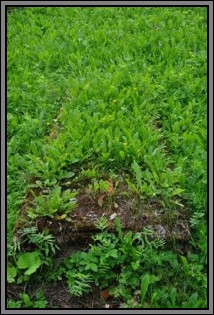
x=78, y=283
x=57, y=202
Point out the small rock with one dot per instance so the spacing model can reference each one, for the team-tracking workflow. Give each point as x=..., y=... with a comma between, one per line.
x=113, y=216
x=160, y=230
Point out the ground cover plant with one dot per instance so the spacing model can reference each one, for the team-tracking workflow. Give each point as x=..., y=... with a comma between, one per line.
x=106, y=130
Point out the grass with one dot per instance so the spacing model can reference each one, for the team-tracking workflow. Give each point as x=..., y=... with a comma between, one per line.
x=108, y=93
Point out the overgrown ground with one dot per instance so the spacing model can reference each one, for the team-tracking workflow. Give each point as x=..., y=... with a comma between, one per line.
x=107, y=155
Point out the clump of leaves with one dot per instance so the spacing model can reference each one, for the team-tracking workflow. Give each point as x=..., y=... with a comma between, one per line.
x=43, y=241
x=78, y=283
x=26, y=301
x=109, y=254
x=24, y=264
x=132, y=267
x=56, y=203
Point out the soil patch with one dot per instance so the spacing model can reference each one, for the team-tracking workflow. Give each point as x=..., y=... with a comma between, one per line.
x=133, y=212
x=58, y=296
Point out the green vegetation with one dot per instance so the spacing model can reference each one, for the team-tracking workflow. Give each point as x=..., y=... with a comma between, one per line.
x=55, y=202
x=133, y=262
x=45, y=246
x=99, y=93
x=26, y=302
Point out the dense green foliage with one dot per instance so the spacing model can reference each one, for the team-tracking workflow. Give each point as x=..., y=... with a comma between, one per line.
x=130, y=264
x=130, y=86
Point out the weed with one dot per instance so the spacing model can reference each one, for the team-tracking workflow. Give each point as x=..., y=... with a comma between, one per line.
x=55, y=204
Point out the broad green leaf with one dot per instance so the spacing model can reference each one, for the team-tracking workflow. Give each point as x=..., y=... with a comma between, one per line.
x=185, y=263
x=67, y=175
x=93, y=267
x=135, y=265
x=122, y=154
x=30, y=261
x=11, y=274
x=145, y=281
x=177, y=191
x=34, y=267
x=138, y=173
x=113, y=253
x=26, y=299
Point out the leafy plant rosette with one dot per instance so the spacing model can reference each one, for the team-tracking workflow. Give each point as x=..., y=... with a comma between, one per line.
x=55, y=204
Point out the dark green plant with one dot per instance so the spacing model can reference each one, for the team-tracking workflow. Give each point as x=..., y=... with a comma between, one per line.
x=43, y=241
x=21, y=265
x=26, y=301
x=109, y=253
